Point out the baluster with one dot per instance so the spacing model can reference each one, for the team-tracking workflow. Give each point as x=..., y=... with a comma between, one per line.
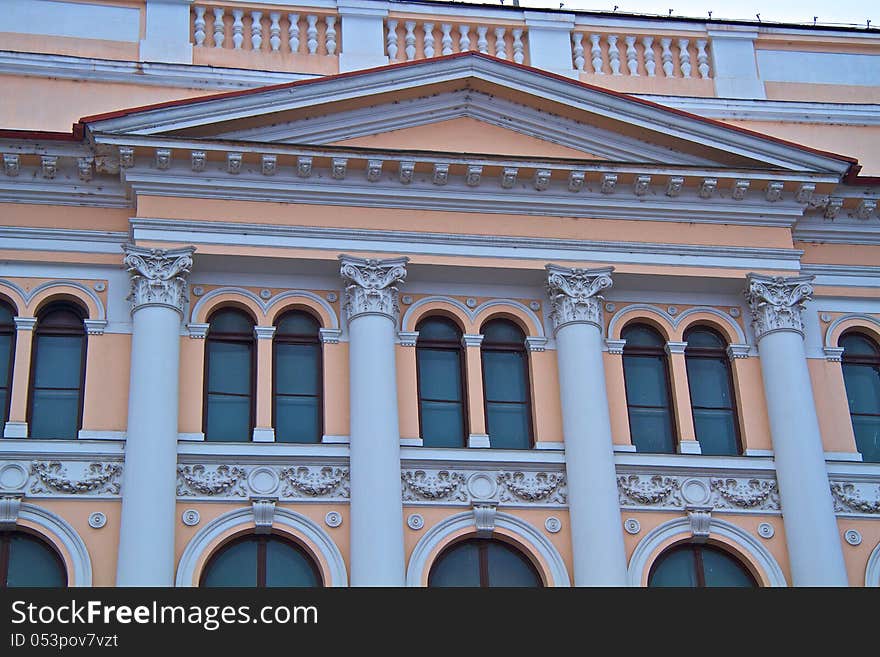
x=631, y=62
x=666, y=57
x=312, y=33
x=237, y=29
x=410, y=40
x=275, y=31
x=500, y=43
x=429, y=39
x=518, y=55
x=650, y=66
x=596, y=54
x=256, y=30
x=684, y=58
x=391, y=40
x=219, y=28
x=702, y=58
x=293, y=33
x=482, y=41
x=330, y=35
x=613, y=54
x=446, y=39
x=577, y=50
x=199, y=25
x=464, y=42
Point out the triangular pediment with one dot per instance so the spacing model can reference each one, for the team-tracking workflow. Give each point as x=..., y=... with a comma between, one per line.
x=468, y=103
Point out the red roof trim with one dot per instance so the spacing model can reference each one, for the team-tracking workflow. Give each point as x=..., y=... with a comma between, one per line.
x=74, y=135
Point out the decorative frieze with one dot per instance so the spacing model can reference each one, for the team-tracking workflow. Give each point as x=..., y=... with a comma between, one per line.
x=96, y=478
x=200, y=480
x=158, y=276
x=744, y=494
x=434, y=486
x=371, y=285
x=682, y=491
x=574, y=294
x=850, y=498
x=481, y=487
x=312, y=482
x=777, y=303
x=305, y=482
x=546, y=487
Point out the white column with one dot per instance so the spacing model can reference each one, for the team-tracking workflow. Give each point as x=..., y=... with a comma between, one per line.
x=811, y=530
x=377, y=556
x=593, y=503
x=146, y=537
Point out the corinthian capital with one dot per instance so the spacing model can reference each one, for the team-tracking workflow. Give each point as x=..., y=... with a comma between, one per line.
x=777, y=302
x=371, y=285
x=574, y=294
x=158, y=276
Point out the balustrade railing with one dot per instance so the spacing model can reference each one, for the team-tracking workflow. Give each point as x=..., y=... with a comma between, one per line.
x=408, y=39
x=635, y=55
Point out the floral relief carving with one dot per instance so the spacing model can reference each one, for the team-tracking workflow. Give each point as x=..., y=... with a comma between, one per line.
x=52, y=476
x=748, y=494
x=777, y=302
x=158, y=276
x=540, y=486
x=302, y=480
x=371, y=285
x=444, y=485
x=574, y=294
x=222, y=480
x=654, y=490
x=848, y=498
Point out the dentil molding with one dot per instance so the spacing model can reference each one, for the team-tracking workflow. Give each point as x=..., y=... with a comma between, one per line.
x=158, y=276
x=777, y=303
x=574, y=294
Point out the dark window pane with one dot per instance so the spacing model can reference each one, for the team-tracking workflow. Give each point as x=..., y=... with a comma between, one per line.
x=33, y=563
x=675, y=568
x=504, y=376
x=297, y=420
x=439, y=374
x=236, y=565
x=858, y=345
x=508, y=567
x=500, y=331
x=229, y=418
x=439, y=329
x=508, y=425
x=638, y=335
x=458, y=566
x=288, y=566
x=297, y=369
x=59, y=359
x=720, y=569
x=716, y=431
x=6, y=316
x=867, y=430
x=709, y=382
x=6, y=348
x=231, y=321
x=442, y=424
x=651, y=430
x=298, y=324
x=54, y=414
x=862, y=387
x=4, y=404
x=229, y=367
x=704, y=339
x=645, y=379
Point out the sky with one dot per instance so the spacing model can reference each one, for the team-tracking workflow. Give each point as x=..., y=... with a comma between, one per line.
x=835, y=12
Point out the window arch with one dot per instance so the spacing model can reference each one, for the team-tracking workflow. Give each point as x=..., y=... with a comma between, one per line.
x=699, y=565
x=506, y=385
x=229, y=377
x=261, y=560
x=648, y=397
x=483, y=562
x=441, y=383
x=298, y=381
x=26, y=560
x=7, y=358
x=57, y=372
x=861, y=376
x=713, y=401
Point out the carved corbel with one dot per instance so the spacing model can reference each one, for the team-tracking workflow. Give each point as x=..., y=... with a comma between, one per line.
x=484, y=519
x=264, y=514
x=10, y=508
x=700, y=518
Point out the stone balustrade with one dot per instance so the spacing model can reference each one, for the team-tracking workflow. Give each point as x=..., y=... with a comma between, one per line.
x=636, y=55
x=407, y=39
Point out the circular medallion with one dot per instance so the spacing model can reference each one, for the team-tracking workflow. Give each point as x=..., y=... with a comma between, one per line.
x=332, y=297
x=481, y=486
x=471, y=302
x=765, y=530
x=100, y=286
x=13, y=477
x=853, y=537
x=695, y=491
x=553, y=524
x=406, y=299
x=534, y=305
x=632, y=526
x=672, y=310
x=263, y=481
x=97, y=520
x=734, y=312
x=415, y=521
x=333, y=519
x=825, y=317
x=190, y=517
x=265, y=294
x=198, y=290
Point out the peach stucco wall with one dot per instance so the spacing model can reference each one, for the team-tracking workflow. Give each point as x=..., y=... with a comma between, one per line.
x=832, y=407
x=105, y=406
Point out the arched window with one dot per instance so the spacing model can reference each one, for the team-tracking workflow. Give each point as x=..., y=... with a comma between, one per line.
x=229, y=377
x=646, y=378
x=57, y=373
x=439, y=365
x=699, y=565
x=861, y=374
x=485, y=563
x=26, y=560
x=7, y=356
x=297, y=408
x=713, y=402
x=506, y=385
x=263, y=560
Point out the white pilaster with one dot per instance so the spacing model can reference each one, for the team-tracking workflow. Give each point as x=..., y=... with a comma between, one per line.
x=158, y=294
x=811, y=529
x=594, y=510
x=363, y=35
x=377, y=556
x=167, y=32
x=550, y=42
x=734, y=65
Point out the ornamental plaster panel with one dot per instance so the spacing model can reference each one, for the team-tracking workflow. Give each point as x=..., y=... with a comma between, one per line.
x=301, y=482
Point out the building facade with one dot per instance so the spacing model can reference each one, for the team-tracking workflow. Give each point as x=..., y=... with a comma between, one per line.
x=354, y=292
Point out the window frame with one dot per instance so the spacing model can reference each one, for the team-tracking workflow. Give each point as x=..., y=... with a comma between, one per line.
x=696, y=550
x=262, y=541
x=871, y=361
x=232, y=338
x=708, y=353
x=652, y=352
x=508, y=347
x=5, y=534
x=483, y=554
x=462, y=368
x=35, y=352
x=298, y=339
x=12, y=331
